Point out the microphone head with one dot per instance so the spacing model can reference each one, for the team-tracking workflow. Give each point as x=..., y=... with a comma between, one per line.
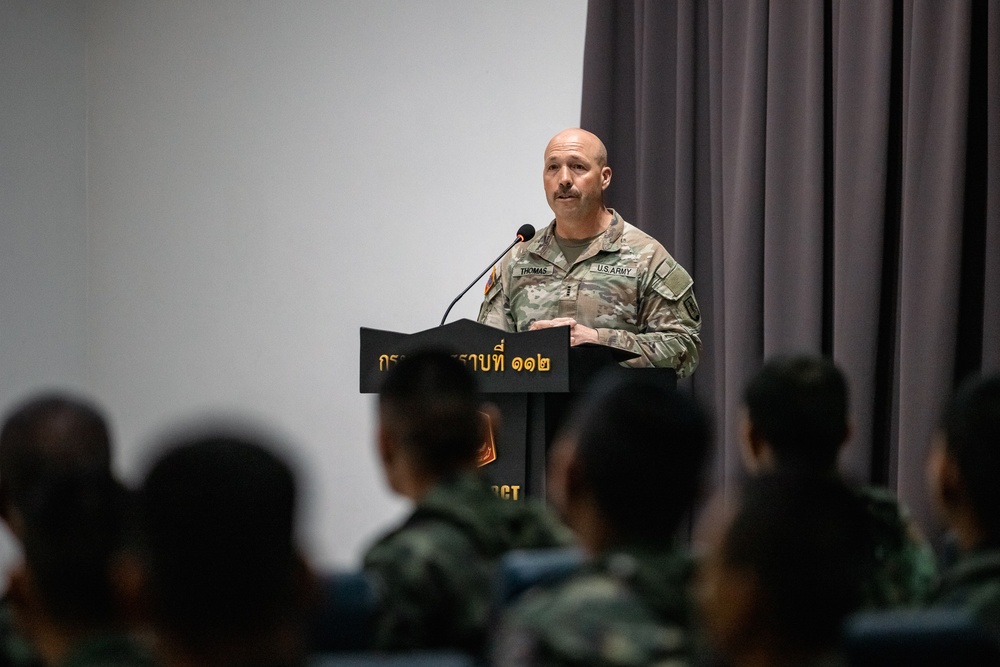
x=525, y=233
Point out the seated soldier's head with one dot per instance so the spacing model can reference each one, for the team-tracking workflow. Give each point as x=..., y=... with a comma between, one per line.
x=964, y=464
x=796, y=415
x=221, y=575
x=47, y=436
x=786, y=570
x=72, y=530
x=429, y=424
x=627, y=466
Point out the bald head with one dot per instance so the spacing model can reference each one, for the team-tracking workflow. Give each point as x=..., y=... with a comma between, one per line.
x=575, y=176
x=575, y=139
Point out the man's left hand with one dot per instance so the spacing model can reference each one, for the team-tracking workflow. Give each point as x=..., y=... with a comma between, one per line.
x=578, y=333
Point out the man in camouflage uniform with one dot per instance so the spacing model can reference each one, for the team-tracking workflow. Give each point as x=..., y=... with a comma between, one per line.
x=434, y=572
x=785, y=571
x=964, y=470
x=624, y=477
x=593, y=272
x=796, y=418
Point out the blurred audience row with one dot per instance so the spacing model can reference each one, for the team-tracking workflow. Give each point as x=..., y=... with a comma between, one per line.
x=198, y=565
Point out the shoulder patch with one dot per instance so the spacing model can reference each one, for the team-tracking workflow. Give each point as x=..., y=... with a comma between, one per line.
x=491, y=282
x=674, y=281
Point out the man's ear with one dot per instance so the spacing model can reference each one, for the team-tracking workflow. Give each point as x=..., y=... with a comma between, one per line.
x=944, y=477
x=386, y=444
x=132, y=589
x=564, y=475
x=753, y=445
x=605, y=177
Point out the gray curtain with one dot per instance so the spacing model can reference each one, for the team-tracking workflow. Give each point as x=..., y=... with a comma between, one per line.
x=828, y=172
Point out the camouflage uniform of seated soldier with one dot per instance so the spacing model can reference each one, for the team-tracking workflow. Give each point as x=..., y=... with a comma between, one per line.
x=624, y=476
x=434, y=572
x=796, y=418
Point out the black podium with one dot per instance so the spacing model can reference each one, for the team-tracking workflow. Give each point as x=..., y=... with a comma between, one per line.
x=531, y=376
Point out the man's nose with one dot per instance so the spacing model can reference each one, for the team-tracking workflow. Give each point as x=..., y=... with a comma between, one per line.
x=564, y=176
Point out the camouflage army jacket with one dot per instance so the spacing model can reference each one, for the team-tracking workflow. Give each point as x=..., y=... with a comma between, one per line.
x=435, y=571
x=625, y=285
x=905, y=566
x=973, y=584
x=629, y=607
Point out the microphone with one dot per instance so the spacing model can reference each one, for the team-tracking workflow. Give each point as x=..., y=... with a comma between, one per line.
x=524, y=233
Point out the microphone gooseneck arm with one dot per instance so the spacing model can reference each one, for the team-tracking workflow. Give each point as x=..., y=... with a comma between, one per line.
x=525, y=233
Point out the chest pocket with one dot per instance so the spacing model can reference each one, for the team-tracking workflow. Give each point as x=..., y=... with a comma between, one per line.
x=609, y=296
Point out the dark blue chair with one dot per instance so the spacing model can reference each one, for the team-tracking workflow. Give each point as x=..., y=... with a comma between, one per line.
x=345, y=618
x=918, y=638
x=411, y=659
x=520, y=570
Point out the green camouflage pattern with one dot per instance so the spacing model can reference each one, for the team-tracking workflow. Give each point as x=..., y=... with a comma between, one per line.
x=905, y=566
x=435, y=571
x=109, y=650
x=973, y=584
x=627, y=607
x=626, y=285
x=15, y=651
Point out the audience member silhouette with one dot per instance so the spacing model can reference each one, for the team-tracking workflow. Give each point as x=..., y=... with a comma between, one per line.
x=434, y=571
x=796, y=418
x=964, y=473
x=59, y=499
x=786, y=571
x=624, y=474
x=219, y=569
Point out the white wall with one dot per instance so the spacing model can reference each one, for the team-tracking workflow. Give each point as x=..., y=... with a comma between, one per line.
x=265, y=178
x=43, y=232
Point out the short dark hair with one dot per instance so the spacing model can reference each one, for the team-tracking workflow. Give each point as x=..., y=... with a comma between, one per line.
x=807, y=539
x=800, y=406
x=74, y=525
x=971, y=426
x=47, y=435
x=642, y=445
x=431, y=401
x=217, y=519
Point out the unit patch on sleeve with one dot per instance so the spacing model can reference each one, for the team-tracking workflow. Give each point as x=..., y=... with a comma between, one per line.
x=692, y=307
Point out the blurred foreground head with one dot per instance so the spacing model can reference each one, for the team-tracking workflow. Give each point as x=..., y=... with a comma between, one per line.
x=50, y=435
x=224, y=580
x=964, y=464
x=796, y=414
x=429, y=421
x=787, y=569
x=628, y=465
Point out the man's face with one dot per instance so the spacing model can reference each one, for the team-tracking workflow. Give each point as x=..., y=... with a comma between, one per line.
x=573, y=175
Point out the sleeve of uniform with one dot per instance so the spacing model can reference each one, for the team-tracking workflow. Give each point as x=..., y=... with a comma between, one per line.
x=669, y=320
x=495, y=309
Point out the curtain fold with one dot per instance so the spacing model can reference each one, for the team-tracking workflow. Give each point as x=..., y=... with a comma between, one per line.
x=821, y=169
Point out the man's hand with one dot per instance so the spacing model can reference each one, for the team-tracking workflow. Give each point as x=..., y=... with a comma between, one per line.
x=577, y=332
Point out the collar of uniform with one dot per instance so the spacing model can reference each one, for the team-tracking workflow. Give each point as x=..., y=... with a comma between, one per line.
x=544, y=245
